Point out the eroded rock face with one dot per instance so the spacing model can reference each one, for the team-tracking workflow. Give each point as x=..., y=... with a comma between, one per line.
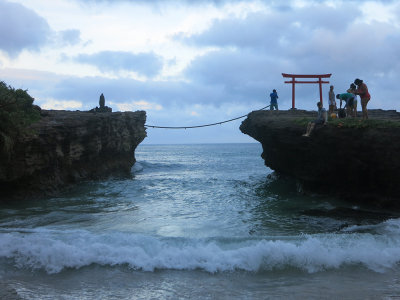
x=359, y=164
x=68, y=147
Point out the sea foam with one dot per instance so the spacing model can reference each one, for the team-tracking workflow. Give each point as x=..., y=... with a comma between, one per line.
x=54, y=250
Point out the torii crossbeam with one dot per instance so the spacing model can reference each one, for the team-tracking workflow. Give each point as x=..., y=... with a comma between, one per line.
x=294, y=81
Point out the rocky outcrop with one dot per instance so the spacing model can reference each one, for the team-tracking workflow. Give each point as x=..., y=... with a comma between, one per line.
x=358, y=163
x=66, y=147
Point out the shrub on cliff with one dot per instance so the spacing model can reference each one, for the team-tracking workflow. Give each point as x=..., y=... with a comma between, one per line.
x=16, y=113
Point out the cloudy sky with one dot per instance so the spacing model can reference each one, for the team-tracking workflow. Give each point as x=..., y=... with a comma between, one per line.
x=196, y=62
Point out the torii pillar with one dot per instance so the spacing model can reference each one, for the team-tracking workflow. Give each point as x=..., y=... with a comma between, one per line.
x=294, y=81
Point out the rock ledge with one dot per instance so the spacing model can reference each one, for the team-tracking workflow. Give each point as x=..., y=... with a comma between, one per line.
x=358, y=164
x=70, y=146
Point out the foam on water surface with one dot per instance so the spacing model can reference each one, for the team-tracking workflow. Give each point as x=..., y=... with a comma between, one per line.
x=203, y=219
x=54, y=250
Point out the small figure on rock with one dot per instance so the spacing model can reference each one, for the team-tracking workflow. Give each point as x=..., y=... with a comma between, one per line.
x=362, y=90
x=274, y=100
x=103, y=108
x=322, y=119
x=102, y=101
x=332, y=101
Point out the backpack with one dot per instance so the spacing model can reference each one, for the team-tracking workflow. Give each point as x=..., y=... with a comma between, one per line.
x=342, y=113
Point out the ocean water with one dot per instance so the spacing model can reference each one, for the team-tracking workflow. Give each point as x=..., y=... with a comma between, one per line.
x=197, y=222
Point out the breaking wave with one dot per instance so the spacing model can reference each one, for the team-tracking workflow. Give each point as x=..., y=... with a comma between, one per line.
x=54, y=250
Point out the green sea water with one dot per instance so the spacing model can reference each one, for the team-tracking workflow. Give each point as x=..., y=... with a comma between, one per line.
x=197, y=222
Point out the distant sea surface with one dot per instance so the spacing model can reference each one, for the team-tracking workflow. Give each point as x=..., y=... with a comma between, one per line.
x=197, y=222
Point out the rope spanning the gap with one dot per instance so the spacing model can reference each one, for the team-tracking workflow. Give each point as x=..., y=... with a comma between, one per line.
x=199, y=126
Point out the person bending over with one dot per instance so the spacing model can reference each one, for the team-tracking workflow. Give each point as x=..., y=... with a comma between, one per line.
x=322, y=119
x=348, y=98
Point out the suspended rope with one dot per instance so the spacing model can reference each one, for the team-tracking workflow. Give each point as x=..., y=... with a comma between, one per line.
x=198, y=126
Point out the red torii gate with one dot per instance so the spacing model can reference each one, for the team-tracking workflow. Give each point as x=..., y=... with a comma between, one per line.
x=294, y=81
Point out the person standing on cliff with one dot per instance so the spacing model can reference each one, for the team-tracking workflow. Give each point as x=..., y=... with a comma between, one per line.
x=274, y=100
x=362, y=90
x=322, y=119
x=332, y=100
x=352, y=90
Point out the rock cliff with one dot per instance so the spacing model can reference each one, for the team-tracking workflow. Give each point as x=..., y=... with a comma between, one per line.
x=359, y=162
x=65, y=147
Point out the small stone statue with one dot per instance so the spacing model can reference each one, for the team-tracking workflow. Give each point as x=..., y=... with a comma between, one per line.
x=102, y=101
x=103, y=107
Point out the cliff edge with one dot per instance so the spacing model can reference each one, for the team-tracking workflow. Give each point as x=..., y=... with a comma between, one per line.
x=65, y=147
x=358, y=161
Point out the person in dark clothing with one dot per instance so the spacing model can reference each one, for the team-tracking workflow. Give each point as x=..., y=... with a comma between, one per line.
x=274, y=100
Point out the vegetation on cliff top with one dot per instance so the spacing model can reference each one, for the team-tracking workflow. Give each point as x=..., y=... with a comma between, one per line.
x=16, y=113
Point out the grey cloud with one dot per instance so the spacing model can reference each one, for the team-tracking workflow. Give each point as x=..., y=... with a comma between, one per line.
x=324, y=40
x=245, y=75
x=363, y=49
x=240, y=75
x=21, y=28
x=277, y=4
x=237, y=32
x=273, y=29
x=70, y=36
x=167, y=2
x=367, y=51
x=87, y=90
x=148, y=64
x=119, y=90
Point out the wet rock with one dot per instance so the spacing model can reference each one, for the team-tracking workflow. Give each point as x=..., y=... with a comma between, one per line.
x=66, y=147
x=360, y=164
